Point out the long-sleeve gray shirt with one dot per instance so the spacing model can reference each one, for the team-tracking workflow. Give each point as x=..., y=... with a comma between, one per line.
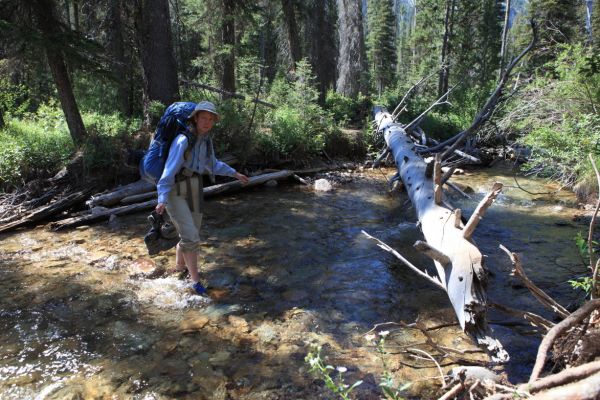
x=202, y=160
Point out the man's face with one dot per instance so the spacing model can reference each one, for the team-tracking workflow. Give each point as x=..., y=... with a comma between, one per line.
x=204, y=122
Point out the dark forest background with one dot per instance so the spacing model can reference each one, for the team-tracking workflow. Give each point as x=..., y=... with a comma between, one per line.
x=90, y=78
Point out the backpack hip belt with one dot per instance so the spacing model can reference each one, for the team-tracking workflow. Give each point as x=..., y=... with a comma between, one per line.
x=186, y=176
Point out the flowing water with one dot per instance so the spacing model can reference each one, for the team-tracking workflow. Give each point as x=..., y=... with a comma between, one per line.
x=87, y=314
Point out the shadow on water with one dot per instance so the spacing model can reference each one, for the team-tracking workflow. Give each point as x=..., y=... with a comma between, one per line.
x=289, y=268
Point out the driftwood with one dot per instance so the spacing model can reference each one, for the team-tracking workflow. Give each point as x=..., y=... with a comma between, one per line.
x=114, y=197
x=573, y=319
x=538, y=293
x=48, y=211
x=111, y=198
x=463, y=276
x=150, y=204
x=563, y=377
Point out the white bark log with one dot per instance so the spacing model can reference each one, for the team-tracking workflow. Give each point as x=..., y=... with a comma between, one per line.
x=464, y=278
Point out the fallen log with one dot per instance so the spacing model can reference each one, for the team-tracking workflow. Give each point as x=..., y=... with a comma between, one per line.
x=114, y=197
x=461, y=270
x=138, y=198
x=150, y=204
x=48, y=211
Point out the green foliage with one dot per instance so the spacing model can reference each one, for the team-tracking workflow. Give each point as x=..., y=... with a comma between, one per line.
x=562, y=123
x=381, y=43
x=299, y=127
x=322, y=371
x=156, y=109
x=584, y=283
x=348, y=110
x=108, y=136
x=14, y=98
x=391, y=390
x=235, y=133
x=37, y=145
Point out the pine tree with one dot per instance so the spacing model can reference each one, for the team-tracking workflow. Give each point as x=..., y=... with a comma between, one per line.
x=381, y=43
x=560, y=22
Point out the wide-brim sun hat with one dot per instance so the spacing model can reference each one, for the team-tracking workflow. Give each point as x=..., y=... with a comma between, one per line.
x=205, y=106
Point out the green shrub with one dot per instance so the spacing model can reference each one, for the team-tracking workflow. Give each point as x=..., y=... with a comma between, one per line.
x=37, y=145
x=558, y=116
x=347, y=110
x=299, y=127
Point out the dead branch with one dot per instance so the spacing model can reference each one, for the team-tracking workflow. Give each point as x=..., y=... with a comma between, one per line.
x=437, y=180
x=47, y=211
x=150, y=204
x=593, y=263
x=533, y=319
x=556, y=331
x=457, y=218
x=479, y=212
x=454, y=187
x=435, y=362
x=453, y=392
x=438, y=102
x=432, y=252
x=586, y=389
x=562, y=378
x=493, y=100
x=536, y=291
x=225, y=92
x=408, y=92
x=423, y=274
x=447, y=174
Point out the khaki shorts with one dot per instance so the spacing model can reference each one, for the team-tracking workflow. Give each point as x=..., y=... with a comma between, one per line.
x=186, y=222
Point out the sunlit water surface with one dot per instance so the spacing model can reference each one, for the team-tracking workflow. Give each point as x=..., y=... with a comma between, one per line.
x=84, y=313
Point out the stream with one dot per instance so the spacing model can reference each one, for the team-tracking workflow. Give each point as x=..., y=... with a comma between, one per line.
x=87, y=314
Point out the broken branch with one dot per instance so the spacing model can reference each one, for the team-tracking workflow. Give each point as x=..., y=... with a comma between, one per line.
x=536, y=291
x=484, y=204
x=432, y=252
x=556, y=331
x=405, y=261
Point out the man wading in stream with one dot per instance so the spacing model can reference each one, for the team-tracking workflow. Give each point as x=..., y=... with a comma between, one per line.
x=180, y=186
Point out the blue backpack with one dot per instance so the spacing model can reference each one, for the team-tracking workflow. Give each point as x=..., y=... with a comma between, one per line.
x=172, y=123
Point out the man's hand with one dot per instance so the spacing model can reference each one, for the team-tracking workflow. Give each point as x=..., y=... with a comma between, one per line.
x=160, y=208
x=242, y=178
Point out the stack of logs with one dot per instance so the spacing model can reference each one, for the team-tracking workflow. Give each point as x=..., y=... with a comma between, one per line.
x=128, y=199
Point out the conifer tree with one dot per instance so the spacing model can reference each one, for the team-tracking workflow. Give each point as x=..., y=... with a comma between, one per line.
x=559, y=21
x=381, y=43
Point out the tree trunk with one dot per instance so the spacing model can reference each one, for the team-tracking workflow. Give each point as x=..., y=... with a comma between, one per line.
x=48, y=25
x=445, y=70
x=322, y=53
x=458, y=262
x=117, y=50
x=150, y=204
x=228, y=37
x=352, y=64
x=156, y=50
x=504, y=37
x=293, y=41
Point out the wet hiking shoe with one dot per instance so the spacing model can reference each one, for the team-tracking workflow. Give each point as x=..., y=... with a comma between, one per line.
x=199, y=289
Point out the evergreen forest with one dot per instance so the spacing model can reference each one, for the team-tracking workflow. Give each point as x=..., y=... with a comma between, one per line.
x=307, y=90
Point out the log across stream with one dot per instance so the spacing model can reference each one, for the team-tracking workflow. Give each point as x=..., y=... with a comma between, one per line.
x=82, y=314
